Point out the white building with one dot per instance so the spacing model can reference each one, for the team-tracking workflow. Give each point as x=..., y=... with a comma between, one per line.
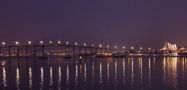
x=169, y=46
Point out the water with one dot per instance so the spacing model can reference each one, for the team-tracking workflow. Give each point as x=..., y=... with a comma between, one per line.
x=94, y=74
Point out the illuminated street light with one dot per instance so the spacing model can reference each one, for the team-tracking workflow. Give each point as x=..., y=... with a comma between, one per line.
x=132, y=48
x=17, y=43
x=84, y=44
x=29, y=42
x=164, y=48
x=100, y=45
x=123, y=47
x=67, y=43
x=59, y=42
x=50, y=42
x=141, y=48
x=3, y=43
x=107, y=46
x=80, y=57
x=76, y=43
x=41, y=42
x=115, y=47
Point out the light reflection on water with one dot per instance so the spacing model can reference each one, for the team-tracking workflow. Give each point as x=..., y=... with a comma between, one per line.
x=170, y=71
x=76, y=76
x=85, y=75
x=115, y=74
x=95, y=74
x=41, y=78
x=100, y=73
x=4, y=77
x=59, y=78
x=124, y=70
x=132, y=72
x=149, y=80
x=30, y=77
x=108, y=73
x=67, y=76
x=51, y=77
x=17, y=79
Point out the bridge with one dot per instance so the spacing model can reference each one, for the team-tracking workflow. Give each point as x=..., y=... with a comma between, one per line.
x=52, y=49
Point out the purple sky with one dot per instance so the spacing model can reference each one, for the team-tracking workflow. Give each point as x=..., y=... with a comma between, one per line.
x=147, y=23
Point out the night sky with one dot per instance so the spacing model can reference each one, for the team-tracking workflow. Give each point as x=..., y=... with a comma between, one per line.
x=147, y=23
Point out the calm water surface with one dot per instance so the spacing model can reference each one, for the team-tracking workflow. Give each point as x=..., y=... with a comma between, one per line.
x=94, y=74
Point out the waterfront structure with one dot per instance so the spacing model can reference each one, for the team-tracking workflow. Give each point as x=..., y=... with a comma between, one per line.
x=52, y=49
x=66, y=49
x=169, y=49
x=169, y=46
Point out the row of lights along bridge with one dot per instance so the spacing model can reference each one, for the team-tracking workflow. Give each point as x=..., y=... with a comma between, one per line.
x=67, y=43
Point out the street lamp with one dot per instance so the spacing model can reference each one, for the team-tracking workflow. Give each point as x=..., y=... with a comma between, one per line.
x=50, y=42
x=141, y=48
x=76, y=43
x=41, y=42
x=107, y=46
x=100, y=45
x=17, y=43
x=3, y=43
x=123, y=47
x=132, y=48
x=92, y=45
x=59, y=42
x=84, y=44
x=67, y=43
x=29, y=42
x=115, y=47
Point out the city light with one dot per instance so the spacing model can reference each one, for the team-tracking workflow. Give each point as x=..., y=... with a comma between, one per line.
x=164, y=48
x=84, y=44
x=41, y=42
x=100, y=45
x=107, y=46
x=50, y=42
x=3, y=43
x=59, y=42
x=17, y=43
x=132, y=48
x=92, y=45
x=117, y=48
x=67, y=43
x=29, y=42
x=80, y=57
x=76, y=43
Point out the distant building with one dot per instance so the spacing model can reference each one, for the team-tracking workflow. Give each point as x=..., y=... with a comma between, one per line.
x=169, y=47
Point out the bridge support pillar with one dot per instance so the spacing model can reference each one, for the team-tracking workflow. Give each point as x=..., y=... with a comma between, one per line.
x=0, y=51
x=18, y=51
x=34, y=47
x=26, y=51
x=43, y=50
x=80, y=50
x=9, y=51
x=74, y=51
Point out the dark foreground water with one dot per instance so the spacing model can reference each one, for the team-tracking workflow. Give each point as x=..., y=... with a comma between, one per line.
x=94, y=74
